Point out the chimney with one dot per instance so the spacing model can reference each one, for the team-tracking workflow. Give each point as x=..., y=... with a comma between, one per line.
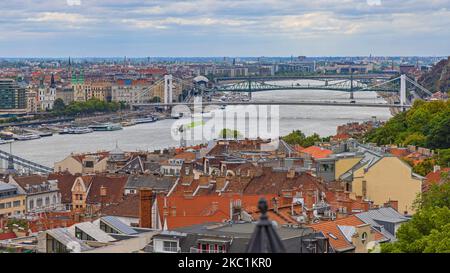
x=220, y=183
x=174, y=210
x=145, y=208
x=393, y=204
x=103, y=193
x=203, y=180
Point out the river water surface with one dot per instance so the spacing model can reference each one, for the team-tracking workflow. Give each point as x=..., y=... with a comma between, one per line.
x=310, y=119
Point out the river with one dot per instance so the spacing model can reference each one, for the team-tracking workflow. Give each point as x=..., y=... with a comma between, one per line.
x=310, y=119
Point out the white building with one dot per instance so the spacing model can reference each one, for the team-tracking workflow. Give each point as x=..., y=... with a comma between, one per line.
x=41, y=194
x=47, y=96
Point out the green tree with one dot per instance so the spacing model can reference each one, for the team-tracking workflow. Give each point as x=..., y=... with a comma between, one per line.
x=155, y=99
x=428, y=231
x=228, y=133
x=296, y=137
x=424, y=167
x=439, y=136
x=417, y=139
x=443, y=157
x=59, y=106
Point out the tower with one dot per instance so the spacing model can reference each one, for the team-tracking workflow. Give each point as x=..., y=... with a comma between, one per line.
x=168, y=85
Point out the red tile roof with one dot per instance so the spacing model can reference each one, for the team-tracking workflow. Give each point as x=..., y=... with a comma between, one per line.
x=317, y=152
x=7, y=236
x=330, y=229
x=65, y=183
x=434, y=178
x=114, y=189
x=128, y=207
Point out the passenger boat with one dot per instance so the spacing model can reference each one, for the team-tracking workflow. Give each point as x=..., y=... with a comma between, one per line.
x=76, y=131
x=145, y=120
x=45, y=134
x=106, y=127
x=128, y=123
x=27, y=136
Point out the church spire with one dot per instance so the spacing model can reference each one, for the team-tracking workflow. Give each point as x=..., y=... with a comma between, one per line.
x=52, y=81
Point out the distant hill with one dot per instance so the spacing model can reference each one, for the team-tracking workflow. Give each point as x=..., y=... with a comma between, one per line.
x=438, y=78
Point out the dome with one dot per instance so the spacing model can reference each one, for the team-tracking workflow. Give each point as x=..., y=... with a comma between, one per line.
x=201, y=79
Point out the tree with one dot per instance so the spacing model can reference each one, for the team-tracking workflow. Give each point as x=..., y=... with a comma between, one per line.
x=416, y=139
x=155, y=99
x=59, y=106
x=439, y=136
x=429, y=229
x=427, y=232
x=443, y=157
x=228, y=133
x=424, y=167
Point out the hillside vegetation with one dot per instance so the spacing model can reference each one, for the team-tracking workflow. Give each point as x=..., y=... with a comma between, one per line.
x=426, y=124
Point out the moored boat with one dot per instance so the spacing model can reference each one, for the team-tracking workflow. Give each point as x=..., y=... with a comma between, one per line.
x=27, y=136
x=106, y=127
x=145, y=120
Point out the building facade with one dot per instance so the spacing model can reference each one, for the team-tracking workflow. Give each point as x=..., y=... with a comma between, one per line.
x=12, y=96
x=12, y=202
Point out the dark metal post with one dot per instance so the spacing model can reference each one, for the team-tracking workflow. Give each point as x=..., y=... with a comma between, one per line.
x=265, y=238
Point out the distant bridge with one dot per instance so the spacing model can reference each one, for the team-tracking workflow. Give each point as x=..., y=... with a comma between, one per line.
x=350, y=85
x=397, y=85
x=26, y=164
x=319, y=103
x=380, y=76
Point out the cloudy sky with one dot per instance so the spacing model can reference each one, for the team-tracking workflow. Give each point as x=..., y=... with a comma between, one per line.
x=224, y=28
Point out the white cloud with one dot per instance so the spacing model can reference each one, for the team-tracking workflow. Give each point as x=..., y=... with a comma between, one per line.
x=60, y=17
x=74, y=2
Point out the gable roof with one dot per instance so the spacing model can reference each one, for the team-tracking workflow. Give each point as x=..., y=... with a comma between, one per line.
x=31, y=180
x=375, y=217
x=114, y=189
x=338, y=230
x=65, y=183
x=155, y=182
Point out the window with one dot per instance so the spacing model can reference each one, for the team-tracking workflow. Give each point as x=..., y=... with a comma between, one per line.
x=89, y=164
x=107, y=228
x=47, y=201
x=170, y=246
x=16, y=204
x=364, y=237
x=82, y=235
x=39, y=202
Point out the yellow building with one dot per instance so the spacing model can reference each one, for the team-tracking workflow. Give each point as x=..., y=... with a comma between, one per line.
x=79, y=193
x=11, y=201
x=100, y=91
x=381, y=180
x=83, y=163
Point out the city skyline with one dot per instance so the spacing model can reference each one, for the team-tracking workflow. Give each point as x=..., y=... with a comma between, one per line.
x=204, y=28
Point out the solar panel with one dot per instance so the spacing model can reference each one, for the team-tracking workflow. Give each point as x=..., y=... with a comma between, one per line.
x=118, y=225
